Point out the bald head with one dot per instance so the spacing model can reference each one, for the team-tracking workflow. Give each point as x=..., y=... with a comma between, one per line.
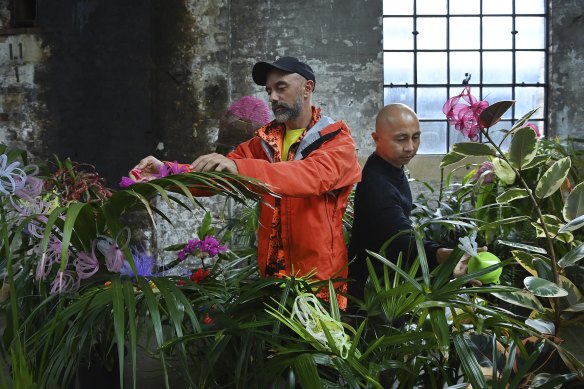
x=397, y=134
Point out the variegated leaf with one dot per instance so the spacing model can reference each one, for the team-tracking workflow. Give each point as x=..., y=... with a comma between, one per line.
x=451, y=158
x=543, y=288
x=553, y=178
x=574, y=224
x=572, y=257
x=553, y=224
x=525, y=260
x=574, y=206
x=512, y=194
x=522, y=298
x=527, y=247
x=503, y=171
x=473, y=148
x=523, y=147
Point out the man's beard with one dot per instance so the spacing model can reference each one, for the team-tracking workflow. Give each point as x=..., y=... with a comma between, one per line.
x=289, y=112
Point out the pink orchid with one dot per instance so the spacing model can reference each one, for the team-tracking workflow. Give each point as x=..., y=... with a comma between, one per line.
x=534, y=128
x=465, y=116
x=485, y=173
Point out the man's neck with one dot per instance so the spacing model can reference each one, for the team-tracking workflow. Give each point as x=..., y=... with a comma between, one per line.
x=301, y=121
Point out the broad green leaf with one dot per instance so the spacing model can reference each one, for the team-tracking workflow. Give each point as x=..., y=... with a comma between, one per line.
x=574, y=206
x=522, y=298
x=493, y=113
x=574, y=295
x=553, y=178
x=512, y=194
x=451, y=158
x=473, y=148
x=553, y=224
x=572, y=256
x=523, y=246
x=525, y=260
x=573, y=224
x=504, y=171
x=521, y=122
x=523, y=148
x=543, y=288
x=536, y=161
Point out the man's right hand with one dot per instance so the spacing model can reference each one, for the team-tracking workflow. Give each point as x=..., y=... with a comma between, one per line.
x=147, y=169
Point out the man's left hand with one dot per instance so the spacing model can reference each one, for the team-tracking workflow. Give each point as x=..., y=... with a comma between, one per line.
x=461, y=268
x=213, y=163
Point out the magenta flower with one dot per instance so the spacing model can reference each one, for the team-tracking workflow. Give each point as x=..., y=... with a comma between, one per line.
x=534, y=128
x=250, y=109
x=86, y=264
x=172, y=168
x=465, y=115
x=209, y=245
x=485, y=173
x=126, y=182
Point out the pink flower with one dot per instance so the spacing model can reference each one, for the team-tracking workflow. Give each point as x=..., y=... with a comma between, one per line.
x=465, y=116
x=86, y=264
x=485, y=173
x=33, y=186
x=250, y=109
x=172, y=168
x=534, y=128
x=50, y=257
x=64, y=282
x=126, y=182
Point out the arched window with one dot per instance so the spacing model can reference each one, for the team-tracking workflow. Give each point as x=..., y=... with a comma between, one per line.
x=432, y=47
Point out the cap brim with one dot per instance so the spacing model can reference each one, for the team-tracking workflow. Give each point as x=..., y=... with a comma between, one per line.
x=260, y=71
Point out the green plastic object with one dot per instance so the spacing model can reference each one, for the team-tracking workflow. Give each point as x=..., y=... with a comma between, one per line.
x=482, y=260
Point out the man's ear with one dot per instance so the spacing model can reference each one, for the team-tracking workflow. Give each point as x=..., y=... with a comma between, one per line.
x=309, y=86
x=375, y=136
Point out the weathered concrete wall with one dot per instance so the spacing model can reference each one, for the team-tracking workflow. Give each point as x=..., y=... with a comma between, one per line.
x=566, y=66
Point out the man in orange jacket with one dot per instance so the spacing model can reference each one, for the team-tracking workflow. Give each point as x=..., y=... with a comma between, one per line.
x=309, y=160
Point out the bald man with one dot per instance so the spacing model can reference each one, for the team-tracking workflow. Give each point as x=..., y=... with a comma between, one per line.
x=383, y=199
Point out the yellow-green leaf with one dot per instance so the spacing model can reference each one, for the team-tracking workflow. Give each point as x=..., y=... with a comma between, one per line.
x=553, y=178
x=503, y=171
x=512, y=194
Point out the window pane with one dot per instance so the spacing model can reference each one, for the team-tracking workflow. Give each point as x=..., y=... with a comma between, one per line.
x=397, y=34
x=527, y=99
x=455, y=136
x=465, y=33
x=497, y=33
x=398, y=68
x=432, y=68
x=398, y=95
x=401, y=7
x=530, y=6
x=530, y=33
x=458, y=7
x=433, y=138
x=493, y=95
x=497, y=66
x=430, y=7
x=430, y=102
x=497, y=133
x=497, y=7
x=463, y=63
x=530, y=66
x=431, y=33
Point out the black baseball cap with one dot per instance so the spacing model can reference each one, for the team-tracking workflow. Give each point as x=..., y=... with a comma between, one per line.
x=288, y=64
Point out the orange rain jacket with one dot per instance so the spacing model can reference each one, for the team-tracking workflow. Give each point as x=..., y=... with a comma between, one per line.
x=314, y=187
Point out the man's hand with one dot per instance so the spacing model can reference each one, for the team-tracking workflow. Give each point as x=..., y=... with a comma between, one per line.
x=147, y=169
x=461, y=267
x=214, y=163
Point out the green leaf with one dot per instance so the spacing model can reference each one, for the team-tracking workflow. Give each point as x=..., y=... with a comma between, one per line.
x=521, y=298
x=553, y=224
x=536, y=161
x=504, y=171
x=473, y=148
x=573, y=224
x=512, y=194
x=523, y=147
x=493, y=113
x=543, y=288
x=521, y=122
x=574, y=206
x=553, y=178
x=440, y=327
x=523, y=246
x=573, y=341
x=469, y=362
x=572, y=256
x=305, y=369
x=451, y=158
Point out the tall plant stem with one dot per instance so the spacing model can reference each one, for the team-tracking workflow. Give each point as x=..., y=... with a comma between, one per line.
x=549, y=240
